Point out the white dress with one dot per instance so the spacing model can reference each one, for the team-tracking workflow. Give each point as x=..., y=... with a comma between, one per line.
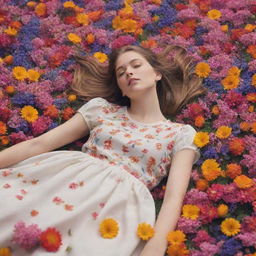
x=75, y=191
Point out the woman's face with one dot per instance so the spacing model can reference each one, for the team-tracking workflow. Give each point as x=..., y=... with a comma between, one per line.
x=134, y=74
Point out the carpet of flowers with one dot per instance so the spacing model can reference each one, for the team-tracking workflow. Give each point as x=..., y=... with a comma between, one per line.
x=38, y=40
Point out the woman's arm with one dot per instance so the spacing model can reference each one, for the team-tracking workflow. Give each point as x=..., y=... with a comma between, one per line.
x=176, y=188
x=71, y=130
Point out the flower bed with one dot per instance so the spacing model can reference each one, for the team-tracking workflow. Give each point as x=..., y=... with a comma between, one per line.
x=38, y=40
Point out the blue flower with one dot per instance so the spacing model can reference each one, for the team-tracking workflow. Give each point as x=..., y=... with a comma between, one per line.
x=23, y=126
x=52, y=125
x=60, y=102
x=23, y=98
x=210, y=152
x=214, y=85
x=104, y=23
x=230, y=247
x=113, y=5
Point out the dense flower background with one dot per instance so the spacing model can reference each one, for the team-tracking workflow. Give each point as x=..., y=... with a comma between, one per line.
x=38, y=39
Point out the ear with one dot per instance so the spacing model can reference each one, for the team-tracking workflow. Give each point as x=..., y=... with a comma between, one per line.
x=158, y=76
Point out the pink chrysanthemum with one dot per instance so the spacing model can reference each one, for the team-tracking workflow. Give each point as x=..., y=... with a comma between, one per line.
x=26, y=237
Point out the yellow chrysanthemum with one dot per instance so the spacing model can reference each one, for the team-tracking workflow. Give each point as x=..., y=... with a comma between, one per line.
x=190, y=211
x=201, y=139
x=11, y=31
x=82, y=18
x=202, y=69
x=90, y=38
x=176, y=237
x=214, y=14
x=223, y=132
x=234, y=71
x=33, y=75
x=210, y=169
x=254, y=80
x=222, y=210
x=177, y=250
x=29, y=113
x=19, y=73
x=230, y=227
x=74, y=38
x=102, y=57
x=129, y=25
x=31, y=4
x=71, y=97
x=127, y=10
x=145, y=231
x=117, y=22
x=69, y=4
x=109, y=228
x=242, y=181
x=5, y=251
x=230, y=82
x=224, y=28
x=41, y=9
x=215, y=110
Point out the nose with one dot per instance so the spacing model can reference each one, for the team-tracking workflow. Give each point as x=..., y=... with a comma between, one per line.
x=129, y=71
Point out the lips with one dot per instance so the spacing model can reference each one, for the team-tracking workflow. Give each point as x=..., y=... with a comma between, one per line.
x=131, y=80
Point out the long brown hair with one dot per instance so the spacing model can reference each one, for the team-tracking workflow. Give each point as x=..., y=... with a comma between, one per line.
x=178, y=86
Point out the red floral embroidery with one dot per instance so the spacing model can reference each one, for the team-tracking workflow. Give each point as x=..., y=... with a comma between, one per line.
x=34, y=213
x=73, y=185
x=69, y=207
x=57, y=200
x=95, y=215
x=6, y=185
x=108, y=144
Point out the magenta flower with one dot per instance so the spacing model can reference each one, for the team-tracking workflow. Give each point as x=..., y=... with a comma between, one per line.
x=26, y=237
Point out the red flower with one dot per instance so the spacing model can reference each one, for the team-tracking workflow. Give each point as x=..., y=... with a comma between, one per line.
x=50, y=240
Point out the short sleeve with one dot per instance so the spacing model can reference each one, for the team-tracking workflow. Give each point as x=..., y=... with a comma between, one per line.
x=92, y=111
x=185, y=139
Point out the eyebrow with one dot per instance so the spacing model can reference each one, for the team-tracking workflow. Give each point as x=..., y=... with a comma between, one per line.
x=129, y=62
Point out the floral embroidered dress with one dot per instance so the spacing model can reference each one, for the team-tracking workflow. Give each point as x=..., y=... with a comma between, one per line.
x=75, y=191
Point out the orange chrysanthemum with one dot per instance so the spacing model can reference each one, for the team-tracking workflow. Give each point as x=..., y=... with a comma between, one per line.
x=236, y=146
x=216, y=110
x=68, y=112
x=176, y=237
x=4, y=140
x=242, y=181
x=245, y=126
x=233, y=170
x=90, y=38
x=50, y=240
x=3, y=128
x=202, y=69
x=234, y=71
x=202, y=184
x=223, y=132
x=222, y=210
x=199, y=121
x=254, y=80
x=10, y=89
x=251, y=97
x=51, y=111
x=210, y=169
x=253, y=127
x=41, y=9
x=252, y=50
x=177, y=250
x=5, y=251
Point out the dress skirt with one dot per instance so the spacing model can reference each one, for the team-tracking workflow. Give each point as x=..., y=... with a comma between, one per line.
x=74, y=192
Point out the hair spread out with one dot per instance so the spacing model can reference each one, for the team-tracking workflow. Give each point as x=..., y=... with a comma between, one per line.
x=178, y=86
